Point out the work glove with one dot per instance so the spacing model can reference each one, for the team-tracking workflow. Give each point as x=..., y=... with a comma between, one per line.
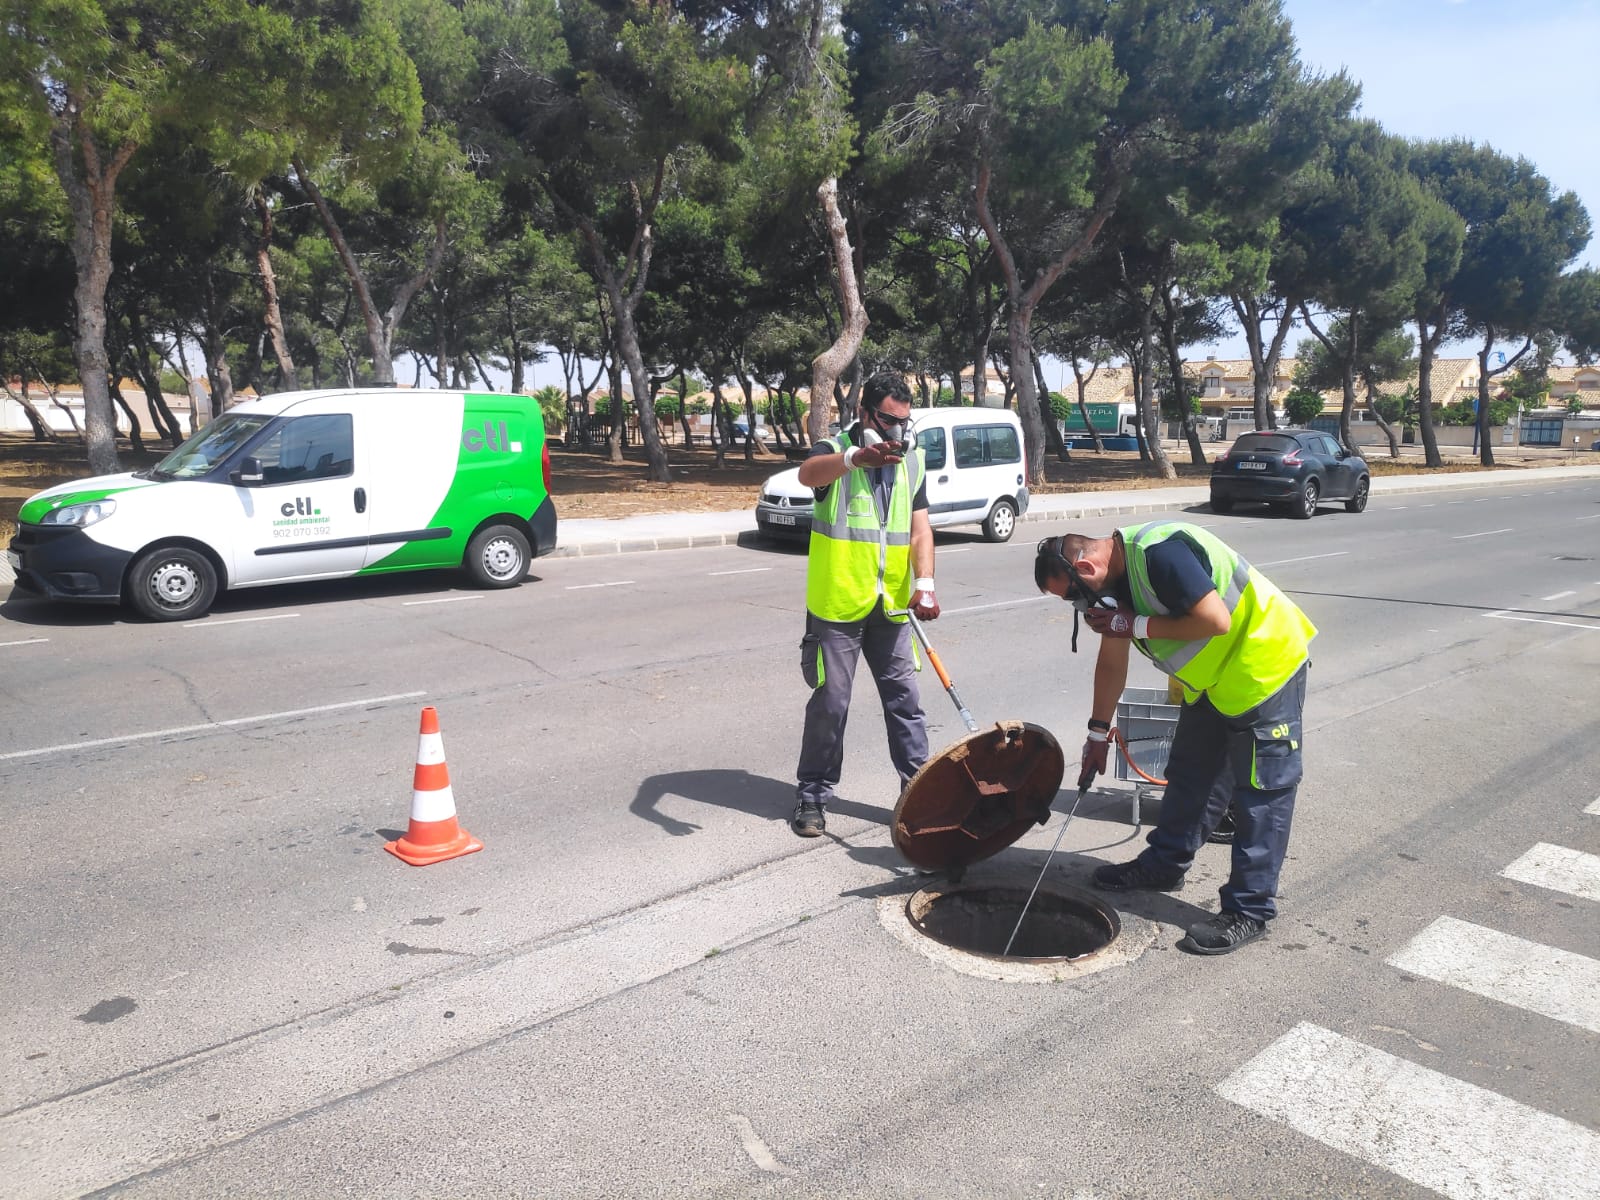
x=1111, y=622
x=1095, y=751
x=923, y=601
x=880, y=454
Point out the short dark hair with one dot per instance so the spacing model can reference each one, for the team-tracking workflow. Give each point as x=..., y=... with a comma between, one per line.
x=1054, y=553
x=885, y=385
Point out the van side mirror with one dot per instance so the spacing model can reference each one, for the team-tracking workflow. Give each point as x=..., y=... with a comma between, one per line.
x=248, y=472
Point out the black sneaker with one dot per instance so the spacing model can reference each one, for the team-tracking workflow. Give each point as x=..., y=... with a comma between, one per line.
x=1136, y=876
x=1221, y=933
x=808, y=820
x=1223, y=833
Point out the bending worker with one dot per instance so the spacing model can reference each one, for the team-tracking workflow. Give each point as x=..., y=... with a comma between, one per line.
x=870, y=539
x=1239, y=647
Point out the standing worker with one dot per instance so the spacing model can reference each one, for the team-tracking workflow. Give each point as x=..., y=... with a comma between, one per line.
x=870, y=538
x=1239, y=647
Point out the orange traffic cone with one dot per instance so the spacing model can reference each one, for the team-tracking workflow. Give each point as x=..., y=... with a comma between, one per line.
x=433, y=835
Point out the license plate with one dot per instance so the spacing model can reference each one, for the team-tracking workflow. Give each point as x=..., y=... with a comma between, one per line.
x=1250, y=466
x=14, y=559
x=781, y=518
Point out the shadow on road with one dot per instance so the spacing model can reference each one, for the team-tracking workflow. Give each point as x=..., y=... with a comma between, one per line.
x=758, y=795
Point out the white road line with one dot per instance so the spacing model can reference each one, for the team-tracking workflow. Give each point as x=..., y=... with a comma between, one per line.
x=1594, y=809
x=1430, y=506
x=25, y=642
x=1512, y=970
x=1486, y=533
x=956, y=550
x=578, y=587
x=1459, y=1139
x=1398, y=507
x=1278, y=562
x=437, y=600
x=239, y=620
x=996, y=604
x=1559, y=869
x=1483, y=499
x=370, y=702
x=1591, y=517
x=741, y=571
x=1558, y=596
x=1505, y=615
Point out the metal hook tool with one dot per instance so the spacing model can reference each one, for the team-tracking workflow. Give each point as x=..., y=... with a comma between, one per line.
x=938, y=667
x=1084, y=781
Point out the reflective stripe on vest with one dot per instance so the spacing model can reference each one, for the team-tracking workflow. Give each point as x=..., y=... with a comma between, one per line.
x=1268, y=637
x=857, y=555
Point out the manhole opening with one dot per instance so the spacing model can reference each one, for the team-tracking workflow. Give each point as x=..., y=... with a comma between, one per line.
x=1062, y=924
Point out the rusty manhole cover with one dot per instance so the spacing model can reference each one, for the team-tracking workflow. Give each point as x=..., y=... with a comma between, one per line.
x=1062, y=925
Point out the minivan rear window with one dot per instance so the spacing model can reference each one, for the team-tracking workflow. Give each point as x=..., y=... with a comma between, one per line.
x=1266, y=443
x=985, y=445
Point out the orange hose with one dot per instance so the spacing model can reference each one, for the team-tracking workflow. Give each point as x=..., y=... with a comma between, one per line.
x=1116, y=736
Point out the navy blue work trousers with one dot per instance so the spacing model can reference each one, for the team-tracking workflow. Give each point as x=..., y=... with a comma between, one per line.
x=1252, y=761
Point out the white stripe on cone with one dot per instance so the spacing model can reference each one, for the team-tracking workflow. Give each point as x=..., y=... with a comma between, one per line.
x=430, y=749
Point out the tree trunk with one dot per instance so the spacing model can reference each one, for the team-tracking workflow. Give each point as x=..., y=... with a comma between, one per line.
x=1264, y=356
x=1082, y=382
x=135, y=433
x=1169, y=338
x=619, y=417
x=1149, y=414
x=273, y=318
x=1485, y=449
x=91, y=197
x=831, y=363
x=1427, y=346
x=1054, y=444
x=41, y=428
x=1388, y=429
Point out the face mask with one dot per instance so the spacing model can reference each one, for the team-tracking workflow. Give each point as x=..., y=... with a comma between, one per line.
x=877, y=426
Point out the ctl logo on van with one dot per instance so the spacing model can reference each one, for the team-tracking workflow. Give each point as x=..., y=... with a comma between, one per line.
x=300, y=508
x=493, y=436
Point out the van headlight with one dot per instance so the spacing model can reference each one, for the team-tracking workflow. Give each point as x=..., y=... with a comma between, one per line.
x=80, y=515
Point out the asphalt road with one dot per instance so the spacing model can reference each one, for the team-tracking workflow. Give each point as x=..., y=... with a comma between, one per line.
x=218, y=984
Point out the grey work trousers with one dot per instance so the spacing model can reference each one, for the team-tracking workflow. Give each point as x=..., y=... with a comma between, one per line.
x=828, y=657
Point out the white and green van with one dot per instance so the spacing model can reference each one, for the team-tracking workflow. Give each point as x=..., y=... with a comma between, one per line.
x=303, y=485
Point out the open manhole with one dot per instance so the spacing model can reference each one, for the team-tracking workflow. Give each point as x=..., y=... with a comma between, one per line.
x=1062, y=925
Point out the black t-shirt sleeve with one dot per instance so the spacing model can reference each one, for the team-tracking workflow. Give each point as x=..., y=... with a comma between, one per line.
x=920, y=500
x=1180, y=574
x=818, y=449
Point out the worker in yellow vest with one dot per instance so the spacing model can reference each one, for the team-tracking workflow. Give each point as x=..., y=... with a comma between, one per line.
x=1239, y=648
x=871, y=558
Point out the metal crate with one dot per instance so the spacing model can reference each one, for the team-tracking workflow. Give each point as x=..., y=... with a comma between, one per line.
x=1146, y=722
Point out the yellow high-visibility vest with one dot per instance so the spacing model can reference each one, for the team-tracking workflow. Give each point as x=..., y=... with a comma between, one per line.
x=856, y=555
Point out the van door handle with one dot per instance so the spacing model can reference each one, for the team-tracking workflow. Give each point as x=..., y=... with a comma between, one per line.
x=944, y=479
x=361, y=500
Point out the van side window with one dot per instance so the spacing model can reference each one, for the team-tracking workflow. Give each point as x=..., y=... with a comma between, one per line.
x=985, y=445
x=969, y=446
x=1003, y=444
x=302, y=448
x=933, y=451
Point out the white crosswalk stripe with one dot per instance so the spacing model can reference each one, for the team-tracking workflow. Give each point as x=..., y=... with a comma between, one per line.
x=1554, y=983
x=1559, y=869
x=1461, y=1140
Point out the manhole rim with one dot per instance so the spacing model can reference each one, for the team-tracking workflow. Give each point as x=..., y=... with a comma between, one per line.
x=1107, y=914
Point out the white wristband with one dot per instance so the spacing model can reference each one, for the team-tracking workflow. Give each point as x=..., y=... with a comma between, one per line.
x=924, y=583
x=1141, y=627
x=1096, y=735
x=849, y=456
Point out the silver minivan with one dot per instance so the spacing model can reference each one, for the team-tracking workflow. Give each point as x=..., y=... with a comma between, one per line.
x=976, y=476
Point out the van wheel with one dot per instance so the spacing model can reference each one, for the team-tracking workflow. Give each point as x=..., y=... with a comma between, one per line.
x=497, y=557
x=1001, y=522
x=172, y=583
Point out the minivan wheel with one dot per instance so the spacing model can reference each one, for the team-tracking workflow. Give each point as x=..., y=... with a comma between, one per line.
x=1221, y=504
x=1001, y=522
x=172, y=583
x=497, y=557
x=1307, y=507
x=1358, y=502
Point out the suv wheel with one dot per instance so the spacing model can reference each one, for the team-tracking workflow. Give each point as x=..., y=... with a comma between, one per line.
x=1358, y=502
x=1306, y=507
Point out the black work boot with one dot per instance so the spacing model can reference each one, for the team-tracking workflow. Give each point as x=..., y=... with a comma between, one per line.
x=808, y=820
x=1136, y=876
x=1221, y=933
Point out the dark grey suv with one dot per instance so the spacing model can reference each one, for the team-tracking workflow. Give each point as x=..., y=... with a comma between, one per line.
x=1296, y=469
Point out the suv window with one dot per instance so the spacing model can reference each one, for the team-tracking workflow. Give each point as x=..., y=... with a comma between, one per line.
x=933, y=448
x=302, y=448
x=1266, y=443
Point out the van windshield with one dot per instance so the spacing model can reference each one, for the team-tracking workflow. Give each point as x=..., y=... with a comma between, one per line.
x=211, y=446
